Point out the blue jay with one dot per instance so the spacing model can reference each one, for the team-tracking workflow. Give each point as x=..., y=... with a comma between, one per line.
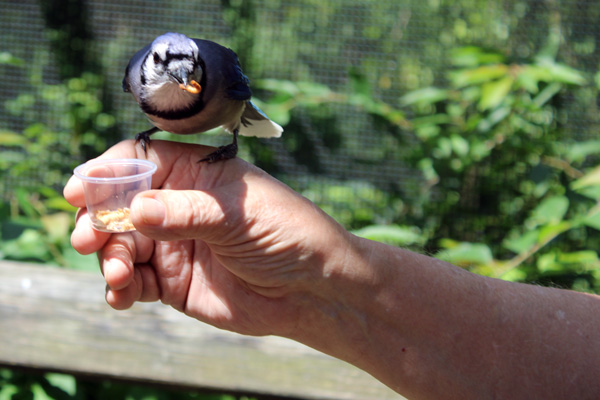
x=188, y=86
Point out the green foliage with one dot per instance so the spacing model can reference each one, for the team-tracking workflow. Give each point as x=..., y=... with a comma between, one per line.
x=69, y=120
x=16, y=385
x=504, y=189
x=353, y=204
x=35, y=220
x=35, y=226
x=66, y=118
x=516, y=202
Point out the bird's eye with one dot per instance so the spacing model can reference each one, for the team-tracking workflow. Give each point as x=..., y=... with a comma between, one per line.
x=156, y=58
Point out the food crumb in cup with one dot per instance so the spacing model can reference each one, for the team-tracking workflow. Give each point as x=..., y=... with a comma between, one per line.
x=115, y=220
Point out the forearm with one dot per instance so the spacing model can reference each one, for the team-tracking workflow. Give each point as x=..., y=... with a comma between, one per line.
x=431, y=330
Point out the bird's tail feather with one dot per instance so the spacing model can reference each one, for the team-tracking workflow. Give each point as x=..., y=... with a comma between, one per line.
x=256, y=123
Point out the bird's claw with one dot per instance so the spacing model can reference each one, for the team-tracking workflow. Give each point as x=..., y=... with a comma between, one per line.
x=144, y=138
x=224, y=152
x=221, y=154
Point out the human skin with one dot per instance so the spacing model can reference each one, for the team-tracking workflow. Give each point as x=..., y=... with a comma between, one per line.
x=229, y=245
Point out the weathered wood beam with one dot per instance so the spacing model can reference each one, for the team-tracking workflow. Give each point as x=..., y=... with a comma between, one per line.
x=57, y=319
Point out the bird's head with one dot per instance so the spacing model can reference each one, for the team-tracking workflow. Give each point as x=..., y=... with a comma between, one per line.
x=172, y=70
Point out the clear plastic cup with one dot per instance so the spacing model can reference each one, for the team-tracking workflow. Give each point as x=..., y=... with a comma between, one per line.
x=110, y=186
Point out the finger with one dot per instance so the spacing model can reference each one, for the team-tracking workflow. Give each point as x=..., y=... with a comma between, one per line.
x=187, y=214
x=73, y=192
x=150, y=288
x=85, y=239
x=120, y=253
x=143, y=287
x=117, y=258
x=123, y=298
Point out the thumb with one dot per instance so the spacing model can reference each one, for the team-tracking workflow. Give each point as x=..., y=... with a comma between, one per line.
x=183, y=214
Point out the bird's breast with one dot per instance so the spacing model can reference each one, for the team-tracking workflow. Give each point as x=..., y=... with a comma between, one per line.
x=224, y=112
x=168, y=97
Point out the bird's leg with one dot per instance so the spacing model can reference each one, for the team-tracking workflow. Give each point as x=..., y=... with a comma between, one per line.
x=224, y=152
x=144, y=137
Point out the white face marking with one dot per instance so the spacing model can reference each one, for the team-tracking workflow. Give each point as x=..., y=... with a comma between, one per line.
x=167, y=60
x=161, y=50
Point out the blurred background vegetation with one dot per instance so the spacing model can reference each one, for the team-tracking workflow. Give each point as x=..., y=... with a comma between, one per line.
x=465, y=129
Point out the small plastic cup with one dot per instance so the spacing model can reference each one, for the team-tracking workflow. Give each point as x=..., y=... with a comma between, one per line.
x=110, y=186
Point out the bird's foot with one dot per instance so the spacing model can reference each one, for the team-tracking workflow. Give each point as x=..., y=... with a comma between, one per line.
x=221, y=154
x=144, y=138
x=224, y=152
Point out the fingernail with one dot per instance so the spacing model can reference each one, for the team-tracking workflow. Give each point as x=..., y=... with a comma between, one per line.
x=153, y=211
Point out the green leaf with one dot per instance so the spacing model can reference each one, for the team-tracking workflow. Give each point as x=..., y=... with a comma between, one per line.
x=561, y=73
x=360, y=83
x=29, y=246
x=428, y=170
x=547, y=262
x=313, y=89
x=523, y=242
x=472, y=56
x=391, y=234
x=579, y=151
x=579, y=257
x=7, y=58
x=529, y=78
x=278, y=85
x=591, y=178
x=561, y=262
x=550, y=211
x=39, y=393
x=552, y=230
x=57, y=225
x=59, y=203
x=591, y=192
x=9, y=391
x=514, y=275
x=427, y=131
x=493, y=93
x=478, y=75
x=547, y=94
x=495, y=117
x=8, y=138
x=433, y=119
x=24, y=201
x=593, y=221
x=466, y=254
x=460, y=145
x=444, y=148
x=65, y=383
x=428, y=95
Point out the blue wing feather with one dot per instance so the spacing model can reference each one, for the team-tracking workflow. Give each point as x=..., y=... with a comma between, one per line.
x=237, y=85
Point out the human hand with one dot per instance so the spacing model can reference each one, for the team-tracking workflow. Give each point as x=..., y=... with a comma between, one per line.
x=224, y=243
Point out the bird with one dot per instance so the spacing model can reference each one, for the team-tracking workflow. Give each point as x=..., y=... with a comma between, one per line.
x=186, y=86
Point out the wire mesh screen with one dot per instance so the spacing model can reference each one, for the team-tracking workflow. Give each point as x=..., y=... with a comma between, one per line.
x=390, y=47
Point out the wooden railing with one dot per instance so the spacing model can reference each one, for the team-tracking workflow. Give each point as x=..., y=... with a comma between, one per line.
x=57, y=319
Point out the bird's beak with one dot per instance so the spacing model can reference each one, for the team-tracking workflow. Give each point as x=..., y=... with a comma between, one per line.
x=183, y=76
x=180, y=76
x=190, y=86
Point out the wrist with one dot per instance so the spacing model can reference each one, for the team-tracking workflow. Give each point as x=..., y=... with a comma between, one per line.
x=337, y=315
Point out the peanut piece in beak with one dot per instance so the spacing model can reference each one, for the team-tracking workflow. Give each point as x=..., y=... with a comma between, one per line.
x=193, y=87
